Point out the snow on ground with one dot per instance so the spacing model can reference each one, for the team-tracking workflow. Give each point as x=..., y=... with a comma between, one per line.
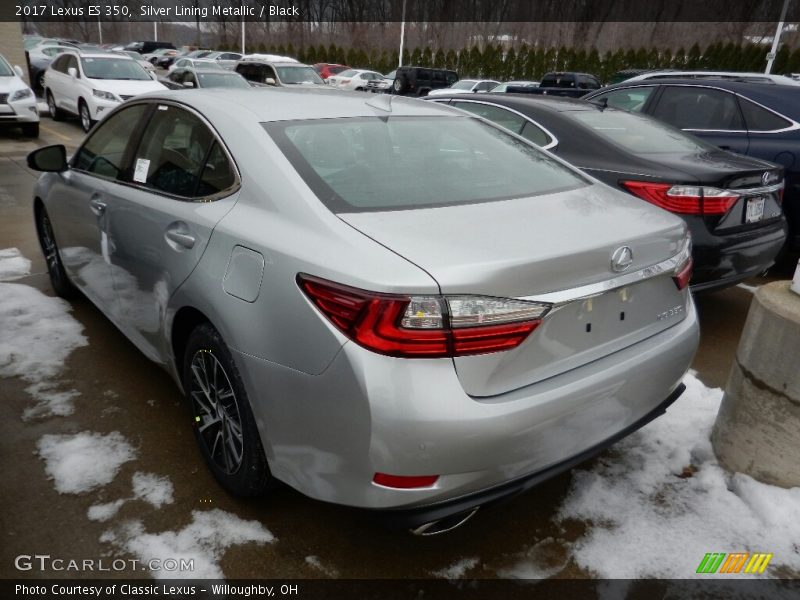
x=660, y=501
x=149, y=487
x=37, y=333
x=83, y=461
x=49, y=401
x=546, y=558
x=204, y=540
x=458, y=569
x=315, y=562
x=12, y=264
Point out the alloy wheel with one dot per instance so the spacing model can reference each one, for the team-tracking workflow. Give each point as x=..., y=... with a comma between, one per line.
x=216, y=411
x=49, y=247
x=86, y=119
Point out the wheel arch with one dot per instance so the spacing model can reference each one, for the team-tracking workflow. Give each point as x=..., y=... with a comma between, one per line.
x=186, y=319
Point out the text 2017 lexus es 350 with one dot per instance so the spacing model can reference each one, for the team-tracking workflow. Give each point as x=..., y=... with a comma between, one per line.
x=381, y=302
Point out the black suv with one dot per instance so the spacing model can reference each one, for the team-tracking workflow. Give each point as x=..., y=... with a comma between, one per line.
x=148, y=47
x=418, y=81
x=757, y=119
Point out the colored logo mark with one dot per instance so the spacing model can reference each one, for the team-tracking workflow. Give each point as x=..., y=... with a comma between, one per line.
x=736, y=562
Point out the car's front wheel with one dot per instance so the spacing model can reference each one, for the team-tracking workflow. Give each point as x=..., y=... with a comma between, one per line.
x=62, y=286
x=223, y=420
x=85, y=116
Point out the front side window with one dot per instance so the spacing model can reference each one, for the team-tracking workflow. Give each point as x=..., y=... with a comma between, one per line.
x=632, y=99
x=699, y=108
x=379, y=164
x=176, y=156
x=104, y=151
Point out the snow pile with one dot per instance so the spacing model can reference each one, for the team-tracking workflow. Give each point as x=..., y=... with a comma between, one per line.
x=546, y=558
x=37, y=333
x=49, y=401
x=660, y=502
x=458, y=569
x=316, y=563
x=13, y=265
x=81, y=462
x=204, y=540
x=149, y=487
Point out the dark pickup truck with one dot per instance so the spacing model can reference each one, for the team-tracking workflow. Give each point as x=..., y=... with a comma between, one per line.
x=572, y=85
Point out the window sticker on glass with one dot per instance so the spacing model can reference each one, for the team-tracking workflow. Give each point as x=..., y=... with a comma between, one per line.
x=162, y=107
x=142, y=167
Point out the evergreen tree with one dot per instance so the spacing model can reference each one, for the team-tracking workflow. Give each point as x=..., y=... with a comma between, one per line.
x=509, y=71
x=416, y=57
x=439, y=60
x=451, y=60
x=693, y=59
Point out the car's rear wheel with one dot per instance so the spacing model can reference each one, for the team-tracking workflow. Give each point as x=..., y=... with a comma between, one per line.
x=223, y=420
x=55, y=113
x=62, y=286
x=85, y=116
x=400, y=84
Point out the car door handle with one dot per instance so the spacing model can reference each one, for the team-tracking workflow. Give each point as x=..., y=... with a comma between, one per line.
x=181, y=237
x=97, y=207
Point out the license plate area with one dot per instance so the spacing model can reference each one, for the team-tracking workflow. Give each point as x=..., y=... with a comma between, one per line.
x=754, y=209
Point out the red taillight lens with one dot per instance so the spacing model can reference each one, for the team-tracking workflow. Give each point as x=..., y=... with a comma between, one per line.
x=424, y=326
x=683, y=274
x=684, y=199
x=404, y=482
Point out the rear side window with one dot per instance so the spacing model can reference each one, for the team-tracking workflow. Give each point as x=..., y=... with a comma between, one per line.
x=761, y=119
x=104, y=151
x=699, y=108
x=379, y=164
x=495, y=114
x=632, y=99
x=173, y=155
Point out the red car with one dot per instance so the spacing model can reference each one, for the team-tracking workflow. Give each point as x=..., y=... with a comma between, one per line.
x=325, y=70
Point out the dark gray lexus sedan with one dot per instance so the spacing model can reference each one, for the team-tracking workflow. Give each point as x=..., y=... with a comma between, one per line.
x=381, y=302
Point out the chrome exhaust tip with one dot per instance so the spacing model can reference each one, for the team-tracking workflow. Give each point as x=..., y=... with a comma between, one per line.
x=446, y=524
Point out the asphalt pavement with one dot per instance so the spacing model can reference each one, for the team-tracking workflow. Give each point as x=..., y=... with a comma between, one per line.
x=120, y=390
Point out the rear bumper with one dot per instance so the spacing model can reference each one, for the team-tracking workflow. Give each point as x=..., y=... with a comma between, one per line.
x=327, y=435
x=723, y=261
x=415, y=517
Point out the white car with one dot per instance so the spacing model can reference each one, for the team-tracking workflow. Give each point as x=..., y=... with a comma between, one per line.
x=465, y=86
x=226, y=60
x=194, y=63
x=49, y=48
x=91, y=85
x=17, y=100
x=353, y=80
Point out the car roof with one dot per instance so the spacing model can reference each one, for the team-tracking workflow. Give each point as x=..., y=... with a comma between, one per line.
x=103, y=55
x=287, y=104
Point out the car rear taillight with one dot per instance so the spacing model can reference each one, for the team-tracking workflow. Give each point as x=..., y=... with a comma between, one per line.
x=424, y=326
x=683, y=269
x=684, y=199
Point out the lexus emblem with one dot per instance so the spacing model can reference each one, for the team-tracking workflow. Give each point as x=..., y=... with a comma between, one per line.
x=769, y=177
x=621, y=259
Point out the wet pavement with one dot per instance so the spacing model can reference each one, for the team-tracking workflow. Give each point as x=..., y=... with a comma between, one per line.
x=120, y=390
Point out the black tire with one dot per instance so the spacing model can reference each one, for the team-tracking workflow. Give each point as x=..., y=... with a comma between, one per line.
x=55, y=113
x=59, y=279
x=85, y=116
x=31, y=130
x=40, y=80
x=220, y=412
x=400, y=85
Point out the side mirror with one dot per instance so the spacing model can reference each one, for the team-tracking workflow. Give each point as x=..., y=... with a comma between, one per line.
x=270, y=81
x=50, y=159
x=72, y=72
x=18, y=71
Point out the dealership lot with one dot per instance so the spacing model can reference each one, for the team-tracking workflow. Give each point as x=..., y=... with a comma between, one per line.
x=115, y=389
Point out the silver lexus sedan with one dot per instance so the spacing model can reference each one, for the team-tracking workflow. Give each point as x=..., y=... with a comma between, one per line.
x=381, y=302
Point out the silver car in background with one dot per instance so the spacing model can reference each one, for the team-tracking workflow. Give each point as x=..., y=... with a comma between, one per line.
x=381, y=302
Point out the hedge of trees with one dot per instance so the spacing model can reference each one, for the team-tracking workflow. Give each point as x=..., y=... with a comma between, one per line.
x=531, y=63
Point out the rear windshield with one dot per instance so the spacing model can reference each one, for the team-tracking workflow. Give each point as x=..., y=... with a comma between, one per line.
x=638, y=133
x=377, y=164
x=211, y=79
x=293, y=75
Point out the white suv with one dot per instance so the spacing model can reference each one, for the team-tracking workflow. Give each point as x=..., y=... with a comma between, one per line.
x=17, y=102
x=90, y=85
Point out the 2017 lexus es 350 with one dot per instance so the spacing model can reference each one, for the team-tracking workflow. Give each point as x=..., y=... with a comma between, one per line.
x=382, y=302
